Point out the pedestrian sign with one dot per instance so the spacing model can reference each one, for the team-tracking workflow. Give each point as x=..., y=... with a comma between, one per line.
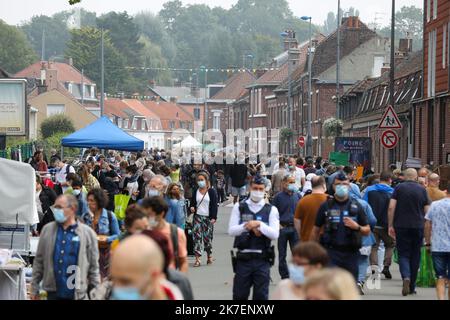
x=390, y=120
x=389, y=139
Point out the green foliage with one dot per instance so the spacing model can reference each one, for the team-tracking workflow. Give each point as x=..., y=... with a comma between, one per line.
x=286, y=134
x=15, y=51
x=332, y=127
x=55, y=124
x=409, y=22
x=54, y=142
x=85, y=49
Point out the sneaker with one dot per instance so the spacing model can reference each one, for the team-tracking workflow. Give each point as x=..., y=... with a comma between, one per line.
x=387, y=273
x=406, y=287
x=360, y=288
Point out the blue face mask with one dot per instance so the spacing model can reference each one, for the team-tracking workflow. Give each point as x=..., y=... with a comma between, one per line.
x=292, y=187
x=341, y=191
x=297, y=274
x=59, y=215
x=201, y=184
x=126, y=293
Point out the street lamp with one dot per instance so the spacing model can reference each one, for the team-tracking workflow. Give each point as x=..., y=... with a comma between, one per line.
x=289, y=36
x=308, y=135
x=203, y=68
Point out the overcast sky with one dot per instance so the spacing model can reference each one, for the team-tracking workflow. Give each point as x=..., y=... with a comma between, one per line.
x=17, y=11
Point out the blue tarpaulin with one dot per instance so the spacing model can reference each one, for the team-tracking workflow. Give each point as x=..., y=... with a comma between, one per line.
x=103, y=134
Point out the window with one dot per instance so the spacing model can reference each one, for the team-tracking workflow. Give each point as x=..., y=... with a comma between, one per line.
x=143, y=125
x=377, y=65
x=259, y=101
x=135, y=121
x=70, y=87
x=93, y=92
x=126, y=123
x=444, y=47
x=435, y=9
x=53, y=109
x=216, y=121
x=172, y=124
x=120, y=122
x=181, y=124
x=428, y=10
x=431, y=63
x=197, y=113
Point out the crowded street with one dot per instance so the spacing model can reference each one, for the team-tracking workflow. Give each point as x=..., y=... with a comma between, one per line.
x=226, y=156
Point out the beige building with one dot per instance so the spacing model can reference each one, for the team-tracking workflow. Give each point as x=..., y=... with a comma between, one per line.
x=53, y=102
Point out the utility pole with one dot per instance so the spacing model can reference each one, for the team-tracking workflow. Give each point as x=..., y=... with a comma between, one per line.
x=82, y=86
x=206, y=97
x=338, y=75
x=102, y=97
x=392, y=67
x=289, y=89
x=309, y=133
x=43, y=45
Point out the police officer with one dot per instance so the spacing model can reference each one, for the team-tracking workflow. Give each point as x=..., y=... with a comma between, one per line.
x=254, y=224
x=344, y=223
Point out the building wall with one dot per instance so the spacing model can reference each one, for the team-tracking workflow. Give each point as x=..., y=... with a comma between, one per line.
x=359, y=64
x=443, y=17
x=75, y=111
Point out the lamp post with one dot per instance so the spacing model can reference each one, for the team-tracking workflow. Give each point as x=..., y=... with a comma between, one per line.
x=308, y=135
x=203, y=68
x=289, y=37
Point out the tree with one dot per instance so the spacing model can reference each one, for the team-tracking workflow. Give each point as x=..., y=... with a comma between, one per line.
x=170, y=12
x=409, y=22
x=15, y=50
x=85, y=49
x=56, y=35
x=56, y=123
x=124, y=34
x=153, y=58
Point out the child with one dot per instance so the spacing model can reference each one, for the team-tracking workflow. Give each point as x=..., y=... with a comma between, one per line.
x=221, y=186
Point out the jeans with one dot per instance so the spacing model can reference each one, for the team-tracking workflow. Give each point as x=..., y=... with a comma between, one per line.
x=287, y=234
x=409, y=244
x=363, y=264
x=221, y=195
x=389, y=244
x=441, y=264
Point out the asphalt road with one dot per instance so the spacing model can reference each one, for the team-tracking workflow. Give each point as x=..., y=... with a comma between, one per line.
x=215, y=282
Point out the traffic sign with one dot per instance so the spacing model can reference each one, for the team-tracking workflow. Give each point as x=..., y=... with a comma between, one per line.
x=390, y=120
x=389, y=139
x=301, y=142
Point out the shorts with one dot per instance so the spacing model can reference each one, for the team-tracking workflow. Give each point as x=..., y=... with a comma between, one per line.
x=441, y=263
x=235, y=191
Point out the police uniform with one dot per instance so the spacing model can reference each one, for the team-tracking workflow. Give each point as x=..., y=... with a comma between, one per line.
x=252, y=267
x=341, y=242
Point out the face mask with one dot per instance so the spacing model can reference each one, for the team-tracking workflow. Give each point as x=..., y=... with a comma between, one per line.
x=341, y=191
x=297, y=274
x=126, y=293
x=152, y=222
x=59, y=215
x=153, y=193
x=256, y=196
x=291, y=167
x=76, y=192
x=201, y=184
x=292, y=187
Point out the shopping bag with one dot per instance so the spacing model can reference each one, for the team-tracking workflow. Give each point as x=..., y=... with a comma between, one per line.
x=426, y=277
x=120, y=205
x=395, y=255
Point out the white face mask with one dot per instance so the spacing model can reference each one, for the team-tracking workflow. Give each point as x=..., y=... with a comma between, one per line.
x=257, y=196
x=76, y=192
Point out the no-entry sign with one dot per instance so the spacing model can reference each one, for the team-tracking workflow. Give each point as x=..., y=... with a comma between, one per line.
x=389, y=139
x=301, y=142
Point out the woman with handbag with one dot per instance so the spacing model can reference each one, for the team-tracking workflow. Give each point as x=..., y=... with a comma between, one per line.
x=204, y=208
x=104, y=223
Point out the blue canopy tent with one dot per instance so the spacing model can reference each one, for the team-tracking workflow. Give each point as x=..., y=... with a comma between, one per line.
x=103, y=134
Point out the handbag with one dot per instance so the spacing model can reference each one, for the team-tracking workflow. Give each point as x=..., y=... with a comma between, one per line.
x=190, y=217
x=120, y=205
x=426, y=277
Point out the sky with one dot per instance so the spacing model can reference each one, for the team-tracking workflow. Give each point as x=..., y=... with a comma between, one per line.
x=17, y=11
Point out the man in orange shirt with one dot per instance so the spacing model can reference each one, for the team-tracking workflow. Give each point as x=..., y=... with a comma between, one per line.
x=156, y=209
x=433, y=188
x=308, y=206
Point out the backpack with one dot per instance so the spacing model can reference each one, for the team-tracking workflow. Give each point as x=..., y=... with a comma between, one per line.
x=174, y=237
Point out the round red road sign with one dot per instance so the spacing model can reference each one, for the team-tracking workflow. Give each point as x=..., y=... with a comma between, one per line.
x=389, y=139
x=301, y=142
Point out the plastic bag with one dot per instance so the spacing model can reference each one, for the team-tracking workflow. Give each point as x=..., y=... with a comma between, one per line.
x=120, y=205
x=426, y=277
x=395, y=255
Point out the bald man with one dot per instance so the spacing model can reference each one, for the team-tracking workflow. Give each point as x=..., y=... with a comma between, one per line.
x=137, y=271
x=433, y=188
x=407, y=208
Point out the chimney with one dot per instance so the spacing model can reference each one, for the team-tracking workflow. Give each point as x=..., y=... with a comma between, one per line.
x=71, y=61
x=289, y=40
x=405, y=46
x=351, y=22
x=386, y=67
x=173, y=99
x=51, y=79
